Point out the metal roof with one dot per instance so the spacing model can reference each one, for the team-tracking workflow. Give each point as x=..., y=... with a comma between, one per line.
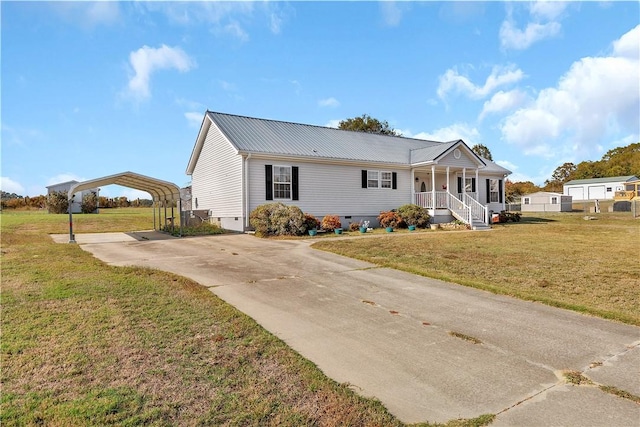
x=158, y=189
x=272, y=137
x=275, y=137
x=602, y=180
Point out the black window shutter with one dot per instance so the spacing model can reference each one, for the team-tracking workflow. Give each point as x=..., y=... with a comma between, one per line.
x=473, y=185
x=294, y=182
x=364, y=178
x=268, y=178
x=488, y=190
x=500, y=189
x=394, y=180
x=460, y=184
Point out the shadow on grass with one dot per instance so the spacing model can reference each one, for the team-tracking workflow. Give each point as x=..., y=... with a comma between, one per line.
x=536, y=220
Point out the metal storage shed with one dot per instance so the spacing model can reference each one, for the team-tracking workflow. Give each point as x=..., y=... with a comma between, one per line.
x=162, y=192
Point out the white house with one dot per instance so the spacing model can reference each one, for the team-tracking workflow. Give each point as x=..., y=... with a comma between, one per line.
x=239, y=163
x=76, y=203
x=596, y=188
x=544, y=201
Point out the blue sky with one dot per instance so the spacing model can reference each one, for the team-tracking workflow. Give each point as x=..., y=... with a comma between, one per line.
x=94, y=89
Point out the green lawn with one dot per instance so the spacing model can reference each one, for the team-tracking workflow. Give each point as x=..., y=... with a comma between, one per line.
x=84, y=343
x=558, y=259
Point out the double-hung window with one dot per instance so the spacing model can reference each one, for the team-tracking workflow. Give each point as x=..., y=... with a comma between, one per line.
x=554, y=200
x=494, y=191
x=282, y=182
x=379, y=179
x=373, y=178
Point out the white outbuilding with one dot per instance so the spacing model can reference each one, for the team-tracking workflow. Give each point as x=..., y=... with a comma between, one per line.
x=596, y=188
x=76, y=202
x=544, y=201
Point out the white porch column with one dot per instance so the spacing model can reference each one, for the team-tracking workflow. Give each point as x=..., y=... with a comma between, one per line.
x=448, y=188
x=477, y=186
x=433, y=186
x=413, y=185
x=464, y=182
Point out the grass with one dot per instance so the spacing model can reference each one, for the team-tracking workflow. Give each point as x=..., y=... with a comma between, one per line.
x=84, y=343
x=557, y=259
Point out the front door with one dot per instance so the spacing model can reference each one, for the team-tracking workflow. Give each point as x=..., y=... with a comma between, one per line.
x=423, y=187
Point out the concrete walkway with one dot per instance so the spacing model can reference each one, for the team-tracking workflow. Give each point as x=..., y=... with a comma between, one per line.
x=428, y=350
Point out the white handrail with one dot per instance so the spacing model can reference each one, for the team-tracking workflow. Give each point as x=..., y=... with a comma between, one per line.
x=477, y=209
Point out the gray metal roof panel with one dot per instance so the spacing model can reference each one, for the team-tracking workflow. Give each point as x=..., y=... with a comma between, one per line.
x=602, y=180
x=284, y=138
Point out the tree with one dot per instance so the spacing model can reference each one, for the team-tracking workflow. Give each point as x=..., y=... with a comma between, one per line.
x=89, y=202
x=57, y=202
x=366, y=123
x=482, y=151
x=513, y=190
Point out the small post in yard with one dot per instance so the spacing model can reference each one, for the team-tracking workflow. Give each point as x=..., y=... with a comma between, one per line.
x=72, y=238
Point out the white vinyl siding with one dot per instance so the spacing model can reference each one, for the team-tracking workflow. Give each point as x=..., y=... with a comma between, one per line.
x=217, y=177
x=325, y=188
x=463, y=162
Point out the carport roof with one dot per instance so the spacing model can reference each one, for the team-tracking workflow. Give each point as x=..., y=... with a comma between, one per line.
x=158, y=189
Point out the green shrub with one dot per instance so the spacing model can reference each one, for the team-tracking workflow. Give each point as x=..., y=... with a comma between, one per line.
x=277, y=219
x=57, y=202
x=331, y=222
x=414, y=215
x=390, y=219
x=89, y=202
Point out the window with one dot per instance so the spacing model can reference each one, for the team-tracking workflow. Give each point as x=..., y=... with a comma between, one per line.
x=282, y=182
x=494, y=190
x=372, y=179
x=385, y=179
x=554, y=200
x=468, y=185
x=526, y=201
x=379, y=179
x=609, y=189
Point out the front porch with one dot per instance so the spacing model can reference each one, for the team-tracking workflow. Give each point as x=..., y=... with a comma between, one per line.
x=462, y=206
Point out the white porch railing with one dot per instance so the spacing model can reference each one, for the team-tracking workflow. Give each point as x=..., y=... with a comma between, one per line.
x=463, y=206
x=478, y=210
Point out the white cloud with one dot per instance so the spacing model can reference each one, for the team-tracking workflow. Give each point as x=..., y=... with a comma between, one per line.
x=333, y=123
x=227, y=86
x=470, y=135
x=453, y=82
x=544, y=24
x=329, y=102
x=503, y=101
x=194, y=119
x=10, y=186
x=88, y=14
x=147, y=60
x=597, y=99
x=392, y=12
x=235, y=30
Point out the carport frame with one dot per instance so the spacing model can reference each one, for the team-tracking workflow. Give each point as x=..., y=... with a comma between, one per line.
x=160, y=191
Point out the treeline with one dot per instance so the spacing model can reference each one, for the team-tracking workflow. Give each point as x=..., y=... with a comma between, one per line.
x=621, y=161
x=58, y=202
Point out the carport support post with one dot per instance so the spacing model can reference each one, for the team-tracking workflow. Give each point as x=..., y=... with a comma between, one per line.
x=180, y=210
x=153, y=208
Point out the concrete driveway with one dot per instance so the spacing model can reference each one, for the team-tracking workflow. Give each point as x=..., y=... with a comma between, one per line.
x=392, y=335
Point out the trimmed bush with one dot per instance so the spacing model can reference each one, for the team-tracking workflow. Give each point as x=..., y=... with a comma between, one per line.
x=354, y=226
x=331, y=222
x=277, y=219
x=390, y=219
x=311, y=221
x=414, y=215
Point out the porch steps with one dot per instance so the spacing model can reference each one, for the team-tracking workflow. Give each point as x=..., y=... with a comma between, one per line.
x=478, y=225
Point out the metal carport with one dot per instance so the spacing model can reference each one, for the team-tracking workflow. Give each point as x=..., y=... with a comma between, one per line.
x=162, y=193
